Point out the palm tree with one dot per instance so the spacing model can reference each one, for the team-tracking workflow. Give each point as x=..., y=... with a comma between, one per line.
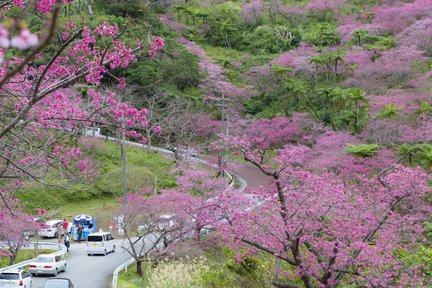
x=389, y=111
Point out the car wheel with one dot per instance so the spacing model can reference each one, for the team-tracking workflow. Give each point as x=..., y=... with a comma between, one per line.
x=56, y=272
x=64, y=269
x=105, y=252
x=33, y=274
x=113, y=249
x=88, y=254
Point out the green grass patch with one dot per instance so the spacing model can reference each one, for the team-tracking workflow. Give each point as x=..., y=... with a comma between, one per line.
x=24, y=255
x=130, y=279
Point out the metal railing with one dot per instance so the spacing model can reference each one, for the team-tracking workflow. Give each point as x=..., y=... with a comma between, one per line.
x=61, y=250
x=123, y=266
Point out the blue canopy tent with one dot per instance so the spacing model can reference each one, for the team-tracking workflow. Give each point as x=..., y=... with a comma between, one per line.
x=88, y=223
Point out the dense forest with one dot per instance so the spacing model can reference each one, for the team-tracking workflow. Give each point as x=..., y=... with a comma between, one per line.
x=329, y=101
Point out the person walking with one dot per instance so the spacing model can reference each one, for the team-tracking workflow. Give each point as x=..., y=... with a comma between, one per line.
x=79, y=232
x=67, y=242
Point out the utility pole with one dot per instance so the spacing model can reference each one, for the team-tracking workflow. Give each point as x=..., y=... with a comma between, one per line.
x=227, y=134
x=225, y=119
x=221, y=153
x=123, y=160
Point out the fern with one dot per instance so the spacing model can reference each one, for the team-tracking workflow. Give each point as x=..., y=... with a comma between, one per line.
x=362, y=150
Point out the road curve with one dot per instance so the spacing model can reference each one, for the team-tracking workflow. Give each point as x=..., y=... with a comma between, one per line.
x=253, y=176
x=95, y=271
x=88, y=271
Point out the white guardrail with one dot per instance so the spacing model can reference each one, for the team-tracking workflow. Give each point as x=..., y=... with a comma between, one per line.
x=118, y=269
x=242, y=184
x=61, y=250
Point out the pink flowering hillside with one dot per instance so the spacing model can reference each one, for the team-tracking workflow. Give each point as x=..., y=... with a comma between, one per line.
x=249, y=143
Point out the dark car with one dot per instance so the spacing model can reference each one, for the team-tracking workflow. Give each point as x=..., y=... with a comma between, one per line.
x=58, y=283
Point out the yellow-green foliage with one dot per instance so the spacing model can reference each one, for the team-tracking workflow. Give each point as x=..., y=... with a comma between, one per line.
x=176, y=274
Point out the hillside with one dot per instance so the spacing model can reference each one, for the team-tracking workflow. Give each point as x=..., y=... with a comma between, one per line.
x=329, y=100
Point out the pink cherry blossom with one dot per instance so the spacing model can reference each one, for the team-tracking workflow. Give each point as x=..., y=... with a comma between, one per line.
x=4, y=37
x=24, y=40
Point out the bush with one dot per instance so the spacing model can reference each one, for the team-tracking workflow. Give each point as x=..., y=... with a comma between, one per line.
x=362, y=150
x=271, y=39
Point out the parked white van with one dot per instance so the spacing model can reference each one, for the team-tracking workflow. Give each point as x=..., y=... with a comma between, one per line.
x=100, y=243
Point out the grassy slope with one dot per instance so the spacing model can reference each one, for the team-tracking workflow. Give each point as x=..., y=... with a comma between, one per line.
x=99, y=198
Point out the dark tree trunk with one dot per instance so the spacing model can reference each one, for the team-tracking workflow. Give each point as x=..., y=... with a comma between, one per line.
x=12, y=259
x=139, y=268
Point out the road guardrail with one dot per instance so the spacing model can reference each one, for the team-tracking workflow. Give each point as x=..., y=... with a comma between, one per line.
x=61, y=250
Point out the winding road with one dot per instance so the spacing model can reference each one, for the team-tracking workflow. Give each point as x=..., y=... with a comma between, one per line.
x=96, y=271
x=88, y=271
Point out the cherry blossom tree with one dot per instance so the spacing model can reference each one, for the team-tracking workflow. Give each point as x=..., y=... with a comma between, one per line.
x=252, y=12
x=215, y=83
x=193, y=179
x=395, y=18
x=15, y=229
x=154, y=226
x=328, y=232
x=36, y=106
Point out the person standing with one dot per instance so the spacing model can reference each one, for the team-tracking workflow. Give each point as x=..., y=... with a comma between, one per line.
x=59, y=232
x=67, y=242
x=79, y=232
x=65, y=227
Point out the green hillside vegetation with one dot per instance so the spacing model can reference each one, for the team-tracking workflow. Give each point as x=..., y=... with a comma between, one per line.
x=72, y=198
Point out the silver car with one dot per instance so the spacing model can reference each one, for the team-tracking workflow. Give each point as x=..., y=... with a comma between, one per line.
x=58, y=283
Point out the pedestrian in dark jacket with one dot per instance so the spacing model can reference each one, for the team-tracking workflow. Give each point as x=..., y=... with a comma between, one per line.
x=79, y=232
x=67, y=242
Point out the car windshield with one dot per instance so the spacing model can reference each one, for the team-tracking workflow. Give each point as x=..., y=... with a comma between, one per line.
x=9, y=276
x=44, y=259
x=94, y=238
x=56, y=283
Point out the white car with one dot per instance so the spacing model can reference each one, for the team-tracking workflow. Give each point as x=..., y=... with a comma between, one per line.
x=100, y=243
x=15, y=278
x=47, y=264
x=90, y=131
x=165, y=222
x=50, y=228
x=184, y=151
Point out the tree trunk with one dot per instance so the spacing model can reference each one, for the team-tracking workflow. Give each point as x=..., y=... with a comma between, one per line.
x=12, y=258
x=139, y=268
x=149, y=140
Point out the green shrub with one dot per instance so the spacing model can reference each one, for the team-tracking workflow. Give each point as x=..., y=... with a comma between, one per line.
x=419, y=258
x=362, y=150
x=417, y=154
x=215, y=278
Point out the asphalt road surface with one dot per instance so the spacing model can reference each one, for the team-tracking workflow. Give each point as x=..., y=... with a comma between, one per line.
x=88, y=271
